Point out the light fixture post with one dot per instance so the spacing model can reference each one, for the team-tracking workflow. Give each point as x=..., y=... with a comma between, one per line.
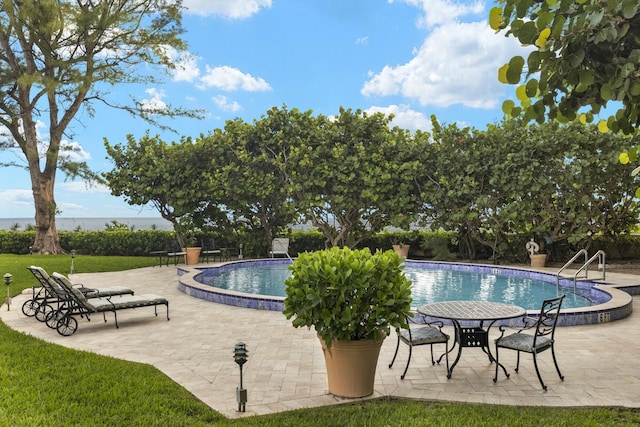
x=240, y=355
x=7, y=281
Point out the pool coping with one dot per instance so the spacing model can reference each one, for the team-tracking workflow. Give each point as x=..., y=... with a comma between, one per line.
x=618, y=306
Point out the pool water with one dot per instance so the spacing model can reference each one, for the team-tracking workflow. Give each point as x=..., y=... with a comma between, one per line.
x=428, y=286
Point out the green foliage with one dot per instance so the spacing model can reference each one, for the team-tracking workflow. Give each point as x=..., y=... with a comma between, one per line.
x=306, y=241
x=116, y=242
x=354, y=176
x=348, y=294
x=16, y=242
x=439, y=245
x=585, y=56
x=564, y=184
x=253, y=168
x=168, y=176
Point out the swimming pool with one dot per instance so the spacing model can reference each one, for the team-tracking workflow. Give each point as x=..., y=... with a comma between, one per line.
x=429, y=285
x=603, y=307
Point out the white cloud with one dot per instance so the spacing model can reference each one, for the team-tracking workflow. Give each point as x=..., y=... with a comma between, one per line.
x=457, y=64
x=83, y=187
x=73, y=151
x=17, y=199
x=362, y=40
x=234, y=9
x=404, y=117
x=223, y=103
x=155, y=103
x=231, y=79
x=437, y=12
x=186, y=67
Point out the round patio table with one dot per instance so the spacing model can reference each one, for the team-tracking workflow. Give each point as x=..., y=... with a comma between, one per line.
x=474, y=314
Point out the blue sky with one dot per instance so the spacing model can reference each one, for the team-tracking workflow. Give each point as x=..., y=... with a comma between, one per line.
x=412, y=58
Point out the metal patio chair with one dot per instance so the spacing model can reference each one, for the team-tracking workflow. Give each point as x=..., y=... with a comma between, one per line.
x=541, y=339
x=426, y=334
x=174, y=251
x=209, y=249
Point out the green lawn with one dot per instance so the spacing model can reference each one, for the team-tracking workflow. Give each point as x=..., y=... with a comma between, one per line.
x=43, y=384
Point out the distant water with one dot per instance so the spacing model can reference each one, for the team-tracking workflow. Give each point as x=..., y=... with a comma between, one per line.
x=90, y=224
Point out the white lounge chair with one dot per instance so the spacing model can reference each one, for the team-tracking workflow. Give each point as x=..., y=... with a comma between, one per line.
x=280, y=246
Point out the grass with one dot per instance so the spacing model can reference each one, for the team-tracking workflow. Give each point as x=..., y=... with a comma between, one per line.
x=43, y=384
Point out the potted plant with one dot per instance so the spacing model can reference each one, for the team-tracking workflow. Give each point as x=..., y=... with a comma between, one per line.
x=537, y=259
x=353, y=299
x=188, y=243
x=400, y=248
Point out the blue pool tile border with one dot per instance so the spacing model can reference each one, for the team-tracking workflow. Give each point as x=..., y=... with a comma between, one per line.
x=191, y=282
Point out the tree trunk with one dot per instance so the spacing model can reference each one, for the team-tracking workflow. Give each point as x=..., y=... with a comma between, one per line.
x=47, y=239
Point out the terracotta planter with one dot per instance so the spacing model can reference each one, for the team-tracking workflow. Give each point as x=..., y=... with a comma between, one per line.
x=402, y=250
x=193, y=256
x=351, y=366
x=538, y=260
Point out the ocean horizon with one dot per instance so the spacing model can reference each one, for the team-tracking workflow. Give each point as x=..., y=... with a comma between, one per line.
x=90, y=224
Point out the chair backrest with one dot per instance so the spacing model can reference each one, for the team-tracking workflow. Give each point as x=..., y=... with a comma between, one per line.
x=208, y=244
x=548, y=319
x=75, y=295
x=47, y=282
x=172, y=245
x=280, y=245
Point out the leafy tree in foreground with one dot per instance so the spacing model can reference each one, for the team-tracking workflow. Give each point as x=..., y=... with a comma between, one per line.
x=585, y=55
x=58, y=57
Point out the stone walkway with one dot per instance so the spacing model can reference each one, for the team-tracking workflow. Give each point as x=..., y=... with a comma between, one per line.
x=285, y=369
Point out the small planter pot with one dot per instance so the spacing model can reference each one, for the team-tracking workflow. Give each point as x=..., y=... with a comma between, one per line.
x=538, y=260
x=402, y=250
x=193, y=256
x=351, y=366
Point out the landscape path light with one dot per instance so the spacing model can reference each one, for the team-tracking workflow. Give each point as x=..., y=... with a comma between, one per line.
x=73, y=256
x=7, y=281
x=240, y=355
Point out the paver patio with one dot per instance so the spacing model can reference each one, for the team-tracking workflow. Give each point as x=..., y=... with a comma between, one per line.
x=285, y=369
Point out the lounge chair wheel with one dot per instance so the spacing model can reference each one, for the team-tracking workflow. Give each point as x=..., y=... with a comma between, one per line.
x=67, y=326
x=53, y=318
x=42, y=311
x=29, y=308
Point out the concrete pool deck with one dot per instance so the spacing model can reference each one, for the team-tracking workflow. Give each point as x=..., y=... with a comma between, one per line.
x=285, y=369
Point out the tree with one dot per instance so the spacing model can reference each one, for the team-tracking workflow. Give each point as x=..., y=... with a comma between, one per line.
x=586, y=54
x=254, y=174
x=58, y=57
x=353, y=176
x=562, y=185
x=169, y=176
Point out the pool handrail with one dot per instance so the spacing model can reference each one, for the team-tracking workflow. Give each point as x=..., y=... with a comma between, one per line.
x=600, y=256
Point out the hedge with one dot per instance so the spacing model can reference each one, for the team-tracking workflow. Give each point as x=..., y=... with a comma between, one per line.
x=436, y=245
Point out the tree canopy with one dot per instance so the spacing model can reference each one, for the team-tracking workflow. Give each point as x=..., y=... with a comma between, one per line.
x=58, y=57
x=553, y=183
x=585, y=56
x=166, y=175
x=351, y=176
